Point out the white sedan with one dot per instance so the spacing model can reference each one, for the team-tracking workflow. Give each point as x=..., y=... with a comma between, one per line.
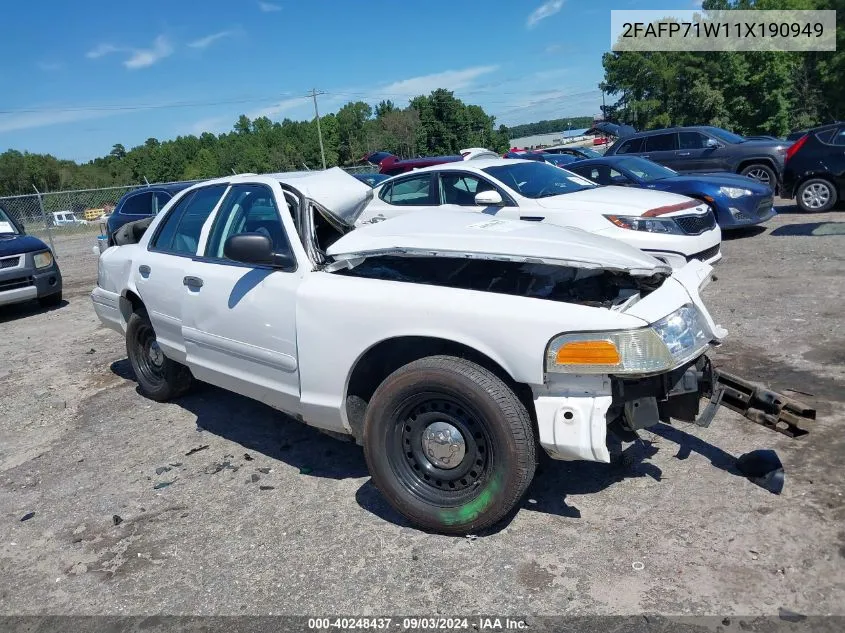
x=670, y=227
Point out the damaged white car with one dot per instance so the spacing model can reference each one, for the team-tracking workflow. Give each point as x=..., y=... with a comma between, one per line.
x=452, y=346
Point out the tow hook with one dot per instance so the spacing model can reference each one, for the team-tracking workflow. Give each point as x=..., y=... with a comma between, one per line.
x=753, y=401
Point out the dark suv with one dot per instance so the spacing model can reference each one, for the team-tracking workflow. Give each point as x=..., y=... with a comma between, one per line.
x=141, y=203
x=815, y=168
x=707, y=149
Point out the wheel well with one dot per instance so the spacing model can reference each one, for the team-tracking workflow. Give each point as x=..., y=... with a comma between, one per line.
x=130, y=303
x=384, y=358
x=768, y=162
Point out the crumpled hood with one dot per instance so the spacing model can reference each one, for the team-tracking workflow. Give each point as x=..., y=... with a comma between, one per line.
x=342, y=195
x=472, y=235
x=611, y=199
x=19, y=244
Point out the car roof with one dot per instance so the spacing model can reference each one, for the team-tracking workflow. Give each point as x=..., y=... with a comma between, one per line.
x=170, y=187
x=476, y=164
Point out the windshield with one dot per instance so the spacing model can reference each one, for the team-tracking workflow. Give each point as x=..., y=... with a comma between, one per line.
x=6, y=224
x=589, y=153
x=646, y=170
x=538, y=180
x=724, y=135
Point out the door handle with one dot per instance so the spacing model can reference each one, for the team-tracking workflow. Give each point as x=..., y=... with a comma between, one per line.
x=683, y=153
x=144, y=270
x=192, y=282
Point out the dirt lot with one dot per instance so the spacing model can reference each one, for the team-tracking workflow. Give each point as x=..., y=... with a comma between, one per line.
x=272, y=517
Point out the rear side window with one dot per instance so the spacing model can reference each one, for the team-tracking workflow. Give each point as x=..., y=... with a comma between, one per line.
x=160, y=199
x=413, y=191
x=139, y=204
x=632, y=146
x=180, y=231
x=660, y=143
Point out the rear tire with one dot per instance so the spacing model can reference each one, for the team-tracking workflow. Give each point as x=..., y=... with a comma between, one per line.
x=449, y=444
x=159, y=378
x=816, y=195
x=762, y=173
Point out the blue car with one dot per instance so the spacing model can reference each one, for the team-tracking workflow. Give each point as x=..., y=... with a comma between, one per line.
x=737, y=201
x=144, y=202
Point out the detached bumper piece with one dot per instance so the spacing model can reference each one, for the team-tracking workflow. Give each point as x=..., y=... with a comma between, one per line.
x=639, y=404
x=753, y=401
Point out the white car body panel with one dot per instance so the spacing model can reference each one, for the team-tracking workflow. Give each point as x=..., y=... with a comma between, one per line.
x=292, y=339
x=579, y=209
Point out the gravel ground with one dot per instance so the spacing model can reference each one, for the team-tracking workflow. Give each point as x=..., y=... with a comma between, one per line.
x=218, y=505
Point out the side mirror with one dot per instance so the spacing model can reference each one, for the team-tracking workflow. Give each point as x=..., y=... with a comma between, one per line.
x=712, y=143
x=490, y=198
x=255, y=249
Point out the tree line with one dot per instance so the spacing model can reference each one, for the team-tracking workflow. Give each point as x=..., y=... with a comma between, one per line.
x=438, y=123
x=548, y=126
x=746, y=92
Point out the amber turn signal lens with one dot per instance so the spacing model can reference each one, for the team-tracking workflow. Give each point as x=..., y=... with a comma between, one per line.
x=588, y=353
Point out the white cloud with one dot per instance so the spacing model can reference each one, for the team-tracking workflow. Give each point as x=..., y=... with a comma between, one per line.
x=449, y=79
x=49, y=67
x=280, y=107
x=31, y=120
x=208, y=40
x=144, y=57
x=545, y=10
x=269, y=7
x=138, y=57
x=102, y=49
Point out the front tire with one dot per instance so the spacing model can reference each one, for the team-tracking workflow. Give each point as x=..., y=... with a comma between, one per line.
x=761, y=173
x=159, y=378
x=449, y=444
x=816, y=195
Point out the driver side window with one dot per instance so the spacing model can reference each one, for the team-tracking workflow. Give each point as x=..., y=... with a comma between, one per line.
x=247, y=209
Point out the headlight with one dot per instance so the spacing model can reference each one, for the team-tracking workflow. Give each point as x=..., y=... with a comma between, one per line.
x=649, y=225
x=734, y=192
x=672, y=341
x=42, y=260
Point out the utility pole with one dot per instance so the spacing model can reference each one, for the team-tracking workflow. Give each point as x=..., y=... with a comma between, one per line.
x=314, y=94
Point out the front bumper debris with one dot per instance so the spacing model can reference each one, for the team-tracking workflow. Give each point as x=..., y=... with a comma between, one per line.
x=755, y=402
x=678, y=394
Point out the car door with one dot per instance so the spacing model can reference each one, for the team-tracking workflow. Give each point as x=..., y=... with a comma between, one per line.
x=698, y=152
x=239, y=320
x=406, y=194
x=457, y=190
x=661, y=148
x=835, y=160
x=159, y=270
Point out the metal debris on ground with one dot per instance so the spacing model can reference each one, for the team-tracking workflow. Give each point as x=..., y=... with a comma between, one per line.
x=162, y=484
x=196, y=450
x=213, y=469
x=27, y=516
x=117, y=519
x=248, y=457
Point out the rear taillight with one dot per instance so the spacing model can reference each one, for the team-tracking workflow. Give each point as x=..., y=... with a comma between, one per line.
x=792, y=149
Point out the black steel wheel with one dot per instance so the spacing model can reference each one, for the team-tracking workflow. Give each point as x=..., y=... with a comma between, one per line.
x=449, y=444
x=159, y=377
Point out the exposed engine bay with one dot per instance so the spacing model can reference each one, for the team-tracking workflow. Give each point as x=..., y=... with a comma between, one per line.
x=590, y=287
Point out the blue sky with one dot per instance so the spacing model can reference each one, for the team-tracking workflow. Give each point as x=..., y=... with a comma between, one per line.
x=78, y=77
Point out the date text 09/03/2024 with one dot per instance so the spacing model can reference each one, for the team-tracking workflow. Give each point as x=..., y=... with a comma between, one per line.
x=415, y=623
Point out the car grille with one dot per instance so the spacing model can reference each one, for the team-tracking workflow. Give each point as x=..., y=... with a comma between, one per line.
x=706, y=254
x=696, y=224
x=14, y=284
x=10, y=262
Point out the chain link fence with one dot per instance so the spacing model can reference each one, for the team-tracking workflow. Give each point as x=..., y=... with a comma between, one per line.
x=70, y=221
